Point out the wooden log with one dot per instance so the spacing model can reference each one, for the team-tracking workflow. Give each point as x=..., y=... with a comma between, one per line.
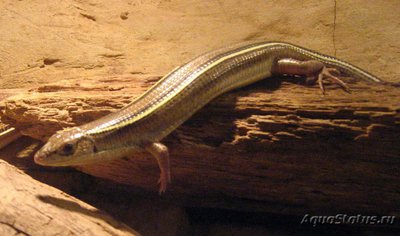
x=275, y=146
x=28, y=207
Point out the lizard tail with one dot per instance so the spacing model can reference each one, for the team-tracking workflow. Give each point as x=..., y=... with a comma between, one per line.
x=342, y=66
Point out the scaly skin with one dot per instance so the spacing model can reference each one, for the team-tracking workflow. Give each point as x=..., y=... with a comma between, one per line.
x=143, y=123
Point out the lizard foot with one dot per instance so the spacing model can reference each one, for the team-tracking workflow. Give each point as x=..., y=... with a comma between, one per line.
x=163, y=181
x=328, y=73
x=160, y=152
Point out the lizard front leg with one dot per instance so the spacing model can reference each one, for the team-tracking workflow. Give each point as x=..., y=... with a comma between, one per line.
x=160, y=152
x=314, y=70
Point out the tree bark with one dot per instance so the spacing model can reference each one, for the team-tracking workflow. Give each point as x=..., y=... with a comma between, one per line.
x=275, y=146
x=28, y=207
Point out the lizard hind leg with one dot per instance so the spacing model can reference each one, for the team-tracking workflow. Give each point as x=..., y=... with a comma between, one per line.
x=160, y=152
x=328, y=73
x=314, y=70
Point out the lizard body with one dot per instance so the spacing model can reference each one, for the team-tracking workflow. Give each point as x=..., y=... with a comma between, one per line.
x=143, y=123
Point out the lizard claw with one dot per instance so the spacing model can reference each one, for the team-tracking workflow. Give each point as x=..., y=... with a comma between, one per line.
x=163, y=182
x=160, y=152
x=327, y=73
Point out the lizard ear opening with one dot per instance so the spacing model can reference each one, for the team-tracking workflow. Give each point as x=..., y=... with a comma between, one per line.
x=86, y=145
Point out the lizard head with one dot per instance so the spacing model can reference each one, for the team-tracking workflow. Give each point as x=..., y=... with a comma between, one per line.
x=66, y=147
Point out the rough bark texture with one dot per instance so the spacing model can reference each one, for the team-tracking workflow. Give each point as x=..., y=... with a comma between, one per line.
x=28, y=207
x=282, y=144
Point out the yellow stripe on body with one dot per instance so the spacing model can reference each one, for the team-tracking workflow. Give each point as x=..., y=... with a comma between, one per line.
x=171, y=95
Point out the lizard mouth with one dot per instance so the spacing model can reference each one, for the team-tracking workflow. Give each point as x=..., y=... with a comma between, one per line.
x=44, y=158
x=40, y=157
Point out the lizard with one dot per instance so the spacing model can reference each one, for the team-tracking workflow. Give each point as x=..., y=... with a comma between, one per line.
x=143, y=123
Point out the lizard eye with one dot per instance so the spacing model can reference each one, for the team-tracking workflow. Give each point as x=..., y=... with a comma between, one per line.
x=67, y=149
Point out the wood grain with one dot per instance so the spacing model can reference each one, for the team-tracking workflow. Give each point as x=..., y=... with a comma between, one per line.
x=28, y=207
x=275, y=146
